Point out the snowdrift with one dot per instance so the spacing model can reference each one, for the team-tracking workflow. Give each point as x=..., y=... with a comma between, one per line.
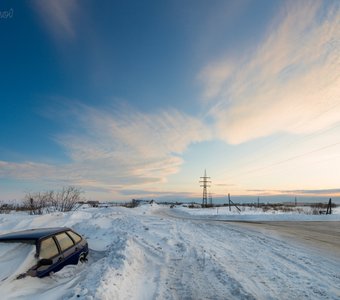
x=15, y=259
x=154, y=252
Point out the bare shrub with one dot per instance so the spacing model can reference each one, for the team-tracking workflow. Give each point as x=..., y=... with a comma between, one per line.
x=66, y=199
x=35, y=203
x=5, y=208
x=265, y=208
x=287, y=209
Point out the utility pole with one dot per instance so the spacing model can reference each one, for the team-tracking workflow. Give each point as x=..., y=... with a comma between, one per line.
x=329, y=207
x=229, y=201
x=205, y=184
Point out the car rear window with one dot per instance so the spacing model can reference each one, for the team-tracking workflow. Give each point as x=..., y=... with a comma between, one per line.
x=48, y=248
x=64, y=241
x=74, y=236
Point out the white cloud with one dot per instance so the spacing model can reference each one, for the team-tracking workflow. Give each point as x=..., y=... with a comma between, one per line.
x=214, y=77
x=117, y=149
x=26, y=170
x=132, y=144
x=290, y=82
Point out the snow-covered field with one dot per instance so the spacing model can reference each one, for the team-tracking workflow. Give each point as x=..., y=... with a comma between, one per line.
x=154, y=252
x=257, y=214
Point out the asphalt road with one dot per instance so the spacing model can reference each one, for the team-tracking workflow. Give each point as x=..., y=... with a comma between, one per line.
x=319, y=236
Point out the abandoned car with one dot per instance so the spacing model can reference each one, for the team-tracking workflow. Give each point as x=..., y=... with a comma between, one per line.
x=55, y=248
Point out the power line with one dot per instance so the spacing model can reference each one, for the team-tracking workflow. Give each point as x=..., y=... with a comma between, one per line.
x=337, y=125
x=288, y=159
x=312, y=119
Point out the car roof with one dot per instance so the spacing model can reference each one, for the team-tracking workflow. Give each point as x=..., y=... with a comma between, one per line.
x=31, y=234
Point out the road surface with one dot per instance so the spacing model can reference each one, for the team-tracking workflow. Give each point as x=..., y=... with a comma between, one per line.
x=321, y=236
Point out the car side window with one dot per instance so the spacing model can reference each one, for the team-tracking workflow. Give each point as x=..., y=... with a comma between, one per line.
x=48, y=248
x=74, y=236
x=64, y=241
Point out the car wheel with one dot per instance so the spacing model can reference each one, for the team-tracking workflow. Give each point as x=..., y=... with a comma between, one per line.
x=82, y=258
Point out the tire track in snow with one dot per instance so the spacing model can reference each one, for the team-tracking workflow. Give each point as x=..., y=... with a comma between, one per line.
x=268, y=267
x=189, y=272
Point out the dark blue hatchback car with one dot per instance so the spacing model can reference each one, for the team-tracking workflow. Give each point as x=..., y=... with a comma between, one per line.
x=55, y=248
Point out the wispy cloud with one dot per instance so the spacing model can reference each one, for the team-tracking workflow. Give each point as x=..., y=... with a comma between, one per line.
x=306, y=192
x=58, y=16
x=28, y=170
x=116, y=149
x=132, y=144
x=324, y=192
x=290, y=82
x=150, y=193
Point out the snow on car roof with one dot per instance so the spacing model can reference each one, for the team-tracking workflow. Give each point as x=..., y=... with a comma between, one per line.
x=31, y=234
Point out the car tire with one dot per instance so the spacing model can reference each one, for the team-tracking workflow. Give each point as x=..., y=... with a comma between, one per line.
x=82, y=258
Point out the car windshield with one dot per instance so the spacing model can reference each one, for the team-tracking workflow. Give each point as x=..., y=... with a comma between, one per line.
x=15, y=259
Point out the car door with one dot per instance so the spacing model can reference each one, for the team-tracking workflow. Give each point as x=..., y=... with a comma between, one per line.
x=48, y=249
x=68, y=248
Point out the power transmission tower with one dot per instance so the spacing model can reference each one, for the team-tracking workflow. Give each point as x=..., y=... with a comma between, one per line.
x=205, y=184
x=210, y=199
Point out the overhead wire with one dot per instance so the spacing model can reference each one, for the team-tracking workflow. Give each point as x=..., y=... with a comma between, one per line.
x=304, y=138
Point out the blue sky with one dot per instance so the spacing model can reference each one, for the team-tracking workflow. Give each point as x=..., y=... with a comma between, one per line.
x=131, y=99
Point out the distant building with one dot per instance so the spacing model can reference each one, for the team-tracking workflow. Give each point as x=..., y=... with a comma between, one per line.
x=136, y=202
x=93, y=203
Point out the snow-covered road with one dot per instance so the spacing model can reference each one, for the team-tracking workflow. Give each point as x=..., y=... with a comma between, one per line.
x=144, y=253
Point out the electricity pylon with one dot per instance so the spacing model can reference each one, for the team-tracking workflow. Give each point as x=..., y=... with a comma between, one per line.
x=210, y=199
x=205, y=184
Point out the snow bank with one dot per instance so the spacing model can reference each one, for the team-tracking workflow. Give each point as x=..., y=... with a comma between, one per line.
x=15, y=259
x=154, y=252
x=256, y=214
